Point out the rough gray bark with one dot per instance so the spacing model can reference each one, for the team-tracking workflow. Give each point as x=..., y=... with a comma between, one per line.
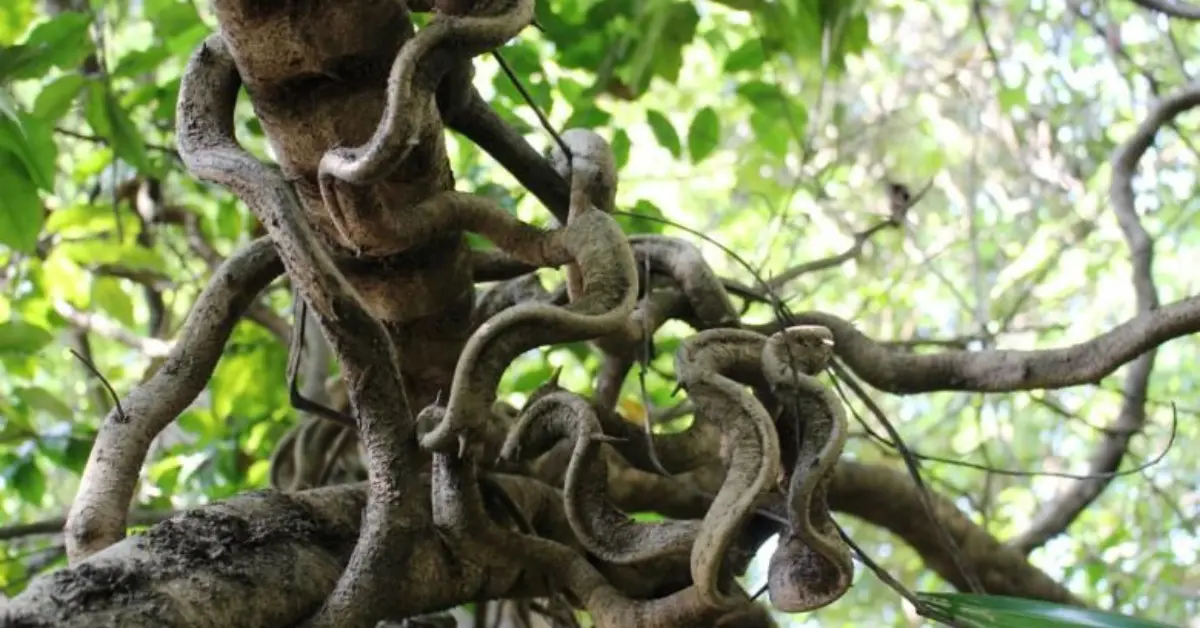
x=362, y=214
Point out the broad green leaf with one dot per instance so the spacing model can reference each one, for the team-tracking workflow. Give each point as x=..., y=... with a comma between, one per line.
x=64, y=279
x=1012, y=97
x=173, y=18
x=664, y=132
x=21, y=213
x=15, y=16
x=8, y=108
x=229, y=219
x=109, y=120
x=607, y=10
x=856, y=36
x=70, y=452
x=62, y=42
x=22, y=338
x=682, y=20
x=748, y=56
x=17, y=424
x=258, y=475
x=32, y=142
x=588, y=117
x=621, y=147
x=29, y=481
x=90, y=254
x=743, y=5
x=994, y=611
x=704, y=134
x=141, y=61
x=529, y=380
x=636, y=224
x=42, y=399
x=498, y=193
x=55, y=99
x=86, y=220
x=109, y=296
x=523, y=59
x=649, y=35
x=770, y=133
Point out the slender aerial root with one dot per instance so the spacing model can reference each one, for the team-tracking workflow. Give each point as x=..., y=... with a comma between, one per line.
x=707, y=365
x=602, y=529
x=812, y=566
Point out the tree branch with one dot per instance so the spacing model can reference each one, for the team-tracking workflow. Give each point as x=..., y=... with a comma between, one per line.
x=192, y=569
x=888, y=498
x=108, y=328
x=860, y=239
x=1067, y=505
x=1004, y=370
x=55, y=525
x=1171, y=8
x=97, y=518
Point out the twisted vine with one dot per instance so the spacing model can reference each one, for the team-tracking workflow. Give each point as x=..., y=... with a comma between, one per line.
x=410, y=116
x=811, y=567
x=709, y=366
x=602, y=529
x=607, y=282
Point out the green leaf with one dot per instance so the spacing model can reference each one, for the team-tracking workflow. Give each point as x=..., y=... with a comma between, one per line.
x=44, y=400
x=21, y=212
x=90, y=254
x=172, y=18
x=109, y=296
x=704, y=134
x=22, y=338
x=770, y=133
x=748, y=56
x=532, y=378
x=69, y=452
x=635, y=224
x=8, y=107
x=31, y=141
x=141, y=61
x=109, y=120
x=62, y=42
x=1011, y=97
x=81, y=221
x=857, y=35
x=664, y=132
x=15, y=16
x=621, y=147
x=995, y=611
x=55, y=99
x=587, y=117
x=29, y=481
x=64, y=279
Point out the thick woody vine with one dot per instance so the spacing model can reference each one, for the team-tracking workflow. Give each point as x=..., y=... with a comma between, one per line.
x=495, y=502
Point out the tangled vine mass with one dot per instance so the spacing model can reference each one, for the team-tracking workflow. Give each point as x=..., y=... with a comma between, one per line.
x=466, y=498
